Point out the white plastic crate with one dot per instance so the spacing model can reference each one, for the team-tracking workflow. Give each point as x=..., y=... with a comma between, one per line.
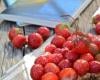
x=21, y=71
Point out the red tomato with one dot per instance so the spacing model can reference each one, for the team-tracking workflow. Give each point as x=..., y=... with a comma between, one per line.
x=97, y=41
x=61, y=51
x=50, y=48
x=93, y=48
x=55, y=58
x=96, y=19
x=72, y=37
x=65, y=64
x=97, y=57
x=58, y=41
x=71, y=56
x=91, y=36
x=69, y=45
x=19, y=41
x=44, y=32
x=62, y=30
x=35, y=40
x=88, y=57
x=49, y=76
x=97, y=29
x=14, y=32
x=68, y=74
x=51, y=67
x=43, y=60
x=94, y=67
x=36, y=71
x=46, y=54
x=81, y=47
x=81, y=66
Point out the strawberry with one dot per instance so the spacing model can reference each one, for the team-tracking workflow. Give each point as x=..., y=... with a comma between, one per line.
x=64, y=64
x=71, y=56
x=51, y=67
x=81, y=66
x=88, y=57
x=62, y=30
x=69, y=45
x=19, y=41
x=35, y=40
x=55, y=58
x=97, y=29
x=94, y=66
x=44, y=32
x=43, y=60
x=68, y=74
x=58, y=41
x=49, y=76
x=50, y=48
x=36, y=72
x=96, y=19
x=14, y=32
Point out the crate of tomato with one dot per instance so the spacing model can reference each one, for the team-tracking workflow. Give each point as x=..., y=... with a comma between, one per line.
x=67, y=55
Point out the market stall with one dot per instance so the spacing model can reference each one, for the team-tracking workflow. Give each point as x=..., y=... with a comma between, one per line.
x=29, y=17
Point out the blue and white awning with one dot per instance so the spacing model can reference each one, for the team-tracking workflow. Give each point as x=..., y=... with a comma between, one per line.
x=48, y=14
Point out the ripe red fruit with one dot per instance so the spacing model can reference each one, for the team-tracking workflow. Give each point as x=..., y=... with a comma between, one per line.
x=97, y=41
x=19, y=41
x=51, y=67
x=71, y=56
x=62, y=29
x=55, y=58
x=68, y=74
x=14, y=32
x=50, y=48
x=88, y=57
x=72, y=37
x=58, y=50
x=36, y=72
x=81, y=47
x=61, y=51
x=69, y=45
x=58, y=41
x=94, y=66
x=91, y=36
x=50, y=76
x=41, y=60
x=65, y=64
x=34, y=40
x=46, y=54
x=81, y=66
x=44, y=32
x=93, y=48
x=96, y=19
x=97, y=29
x=97, y=57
